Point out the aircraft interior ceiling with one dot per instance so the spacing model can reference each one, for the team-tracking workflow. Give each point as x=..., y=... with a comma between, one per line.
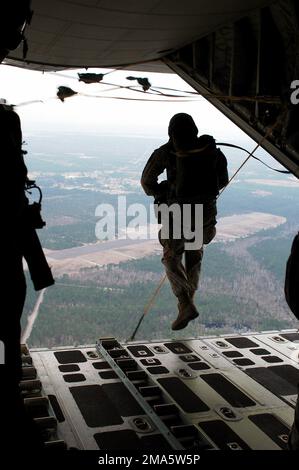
x=242, y=56
x=103, y=33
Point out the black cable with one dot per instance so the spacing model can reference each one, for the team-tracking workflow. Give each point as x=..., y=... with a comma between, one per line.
x=224, y=144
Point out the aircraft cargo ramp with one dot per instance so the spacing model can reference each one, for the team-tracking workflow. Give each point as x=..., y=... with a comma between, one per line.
x=231, y=392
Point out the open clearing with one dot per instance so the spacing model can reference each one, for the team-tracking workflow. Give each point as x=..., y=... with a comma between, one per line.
x=288, y=183
x=229, y=229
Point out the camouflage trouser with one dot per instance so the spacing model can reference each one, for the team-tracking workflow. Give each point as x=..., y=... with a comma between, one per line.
x=184, y=278
x=294, y=434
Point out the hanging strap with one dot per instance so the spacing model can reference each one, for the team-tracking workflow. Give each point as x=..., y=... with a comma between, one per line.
x=224, y=144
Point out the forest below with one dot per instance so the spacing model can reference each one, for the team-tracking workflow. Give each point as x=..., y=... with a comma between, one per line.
x=241, y=290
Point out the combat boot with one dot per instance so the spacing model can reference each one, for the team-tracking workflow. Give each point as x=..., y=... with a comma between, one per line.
x=187, y=312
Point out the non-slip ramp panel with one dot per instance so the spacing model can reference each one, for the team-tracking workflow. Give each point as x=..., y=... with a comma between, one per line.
x=268, y=379
x=108, y=374
x=158, y=370
x=272, y=359
x=159, y=349
x=69, y=368
x=290, y=336
x=140, y=351
x=241, y=342
x=69, y=378
x=243, y=362
x=101, y=365
x=119, y=353
x=182, y=395
x=288, y=373
x=122, y=399
x=127, y=364
x=150, y=362
x=271, y=426
x=260, y=351
x=69, y=357
x=221, y=344
x=190, y=358
x=199, y=366
x=118, y=440
x=178, y=348
x=95, y=406
x=223, y=436
x=233, y=395
x=232, y=354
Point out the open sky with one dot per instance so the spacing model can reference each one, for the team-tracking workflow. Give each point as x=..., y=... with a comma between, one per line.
x=98, y=115
x=81, y=113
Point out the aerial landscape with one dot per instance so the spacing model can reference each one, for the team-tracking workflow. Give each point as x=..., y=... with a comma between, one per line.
x=102, y=286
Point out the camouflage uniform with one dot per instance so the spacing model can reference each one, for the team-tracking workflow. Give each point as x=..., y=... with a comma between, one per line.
x=183, y=279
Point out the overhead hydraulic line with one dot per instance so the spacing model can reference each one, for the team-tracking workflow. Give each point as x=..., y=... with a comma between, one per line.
x=134, y=88
x=180, y=100
x=257, y=98
x=114, y=85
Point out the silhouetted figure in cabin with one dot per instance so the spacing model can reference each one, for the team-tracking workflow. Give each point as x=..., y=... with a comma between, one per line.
x=292, y=298
x=196, y=171
x=14, y=175
x=19, y=220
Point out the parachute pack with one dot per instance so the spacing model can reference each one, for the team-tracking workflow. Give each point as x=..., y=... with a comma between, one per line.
x=199, y=171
